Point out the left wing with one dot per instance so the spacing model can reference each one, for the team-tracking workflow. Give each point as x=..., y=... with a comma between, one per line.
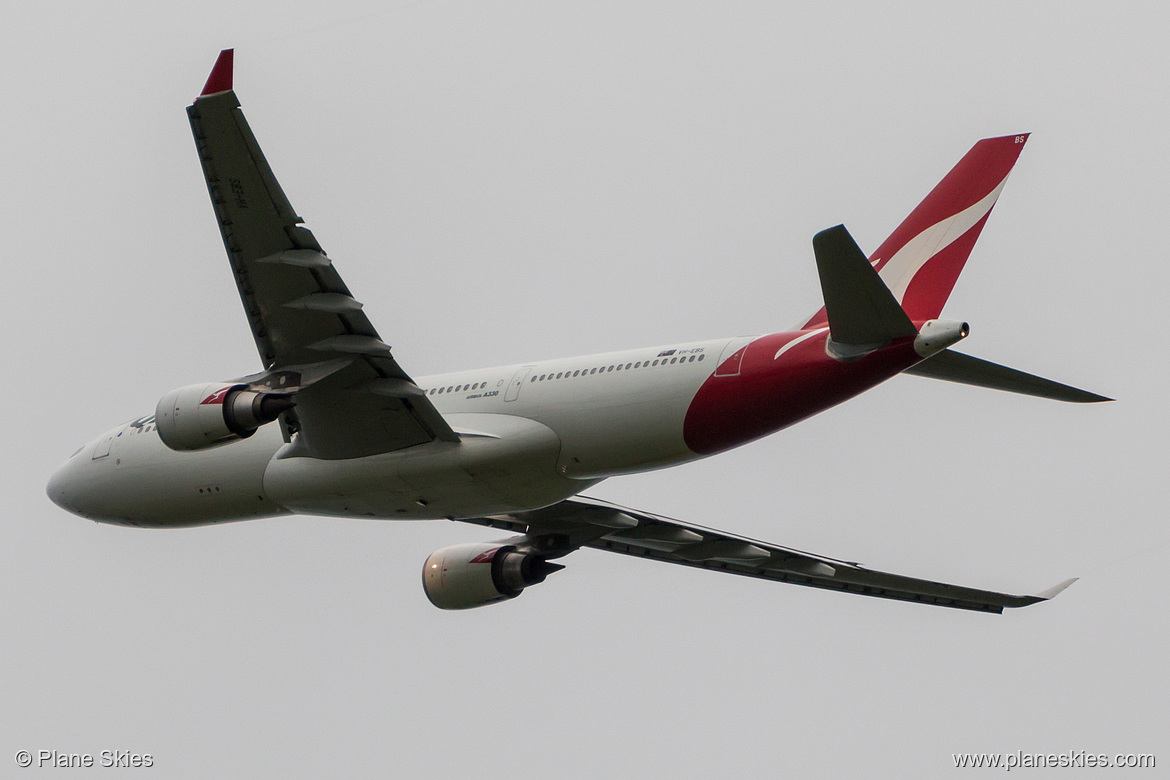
x=587, y=522
x=353, y=399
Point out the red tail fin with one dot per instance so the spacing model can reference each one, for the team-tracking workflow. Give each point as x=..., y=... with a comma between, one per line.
x=921, y=260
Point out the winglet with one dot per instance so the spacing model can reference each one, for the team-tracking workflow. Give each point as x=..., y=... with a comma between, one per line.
x=220, y=79
x=1044, y=595
x=1055, y=590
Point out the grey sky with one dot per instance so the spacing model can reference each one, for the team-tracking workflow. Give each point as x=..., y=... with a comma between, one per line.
x=519, y=180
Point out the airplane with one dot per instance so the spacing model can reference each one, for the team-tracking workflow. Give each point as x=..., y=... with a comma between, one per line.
x=334, y=426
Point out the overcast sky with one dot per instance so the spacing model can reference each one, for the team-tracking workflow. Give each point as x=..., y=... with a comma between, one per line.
x=510, y=181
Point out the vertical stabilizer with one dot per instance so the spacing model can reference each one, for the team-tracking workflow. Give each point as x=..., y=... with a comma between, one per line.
x=921, y=260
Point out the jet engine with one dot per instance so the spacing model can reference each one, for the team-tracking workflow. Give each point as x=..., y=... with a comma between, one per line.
x=199, y=416
x=472, y=575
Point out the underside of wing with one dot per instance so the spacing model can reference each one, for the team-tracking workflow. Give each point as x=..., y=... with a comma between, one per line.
x=302, y=315
x=585, y=522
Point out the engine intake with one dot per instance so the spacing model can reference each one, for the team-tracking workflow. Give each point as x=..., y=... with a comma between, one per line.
x=474, y=575
x=196, y=417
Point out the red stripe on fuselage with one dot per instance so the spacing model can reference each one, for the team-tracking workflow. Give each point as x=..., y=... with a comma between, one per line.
x=771, y=393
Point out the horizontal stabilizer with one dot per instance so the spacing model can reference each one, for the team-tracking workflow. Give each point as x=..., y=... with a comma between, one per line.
x=964, y=369
x=860, y=309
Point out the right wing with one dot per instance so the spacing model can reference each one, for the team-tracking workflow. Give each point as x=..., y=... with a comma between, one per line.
x=587, y=522
x=353, y=398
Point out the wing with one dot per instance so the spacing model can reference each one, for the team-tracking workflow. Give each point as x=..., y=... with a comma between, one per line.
x=303, y=317
x=588, y=522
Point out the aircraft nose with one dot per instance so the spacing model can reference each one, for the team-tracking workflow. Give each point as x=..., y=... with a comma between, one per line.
x=61, y=486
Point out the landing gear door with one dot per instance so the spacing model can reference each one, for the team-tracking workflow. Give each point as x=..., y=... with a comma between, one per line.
x=517, y=381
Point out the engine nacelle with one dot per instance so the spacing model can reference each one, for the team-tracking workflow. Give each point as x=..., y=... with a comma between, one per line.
x=199, y=416
x=472, y=575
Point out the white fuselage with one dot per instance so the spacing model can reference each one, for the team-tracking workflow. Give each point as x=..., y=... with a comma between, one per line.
x=531, y=435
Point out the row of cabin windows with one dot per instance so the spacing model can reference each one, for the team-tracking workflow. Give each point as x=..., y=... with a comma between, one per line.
x=616, y=367
x=567, y=374
x=456, y=388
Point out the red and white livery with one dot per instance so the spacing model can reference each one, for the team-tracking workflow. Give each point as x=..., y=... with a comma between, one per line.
x=332, y=425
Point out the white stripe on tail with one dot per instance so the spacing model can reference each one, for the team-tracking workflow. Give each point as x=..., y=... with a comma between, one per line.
x=921, y=260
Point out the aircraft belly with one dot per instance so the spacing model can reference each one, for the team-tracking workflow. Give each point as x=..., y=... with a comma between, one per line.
x=503, y=463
